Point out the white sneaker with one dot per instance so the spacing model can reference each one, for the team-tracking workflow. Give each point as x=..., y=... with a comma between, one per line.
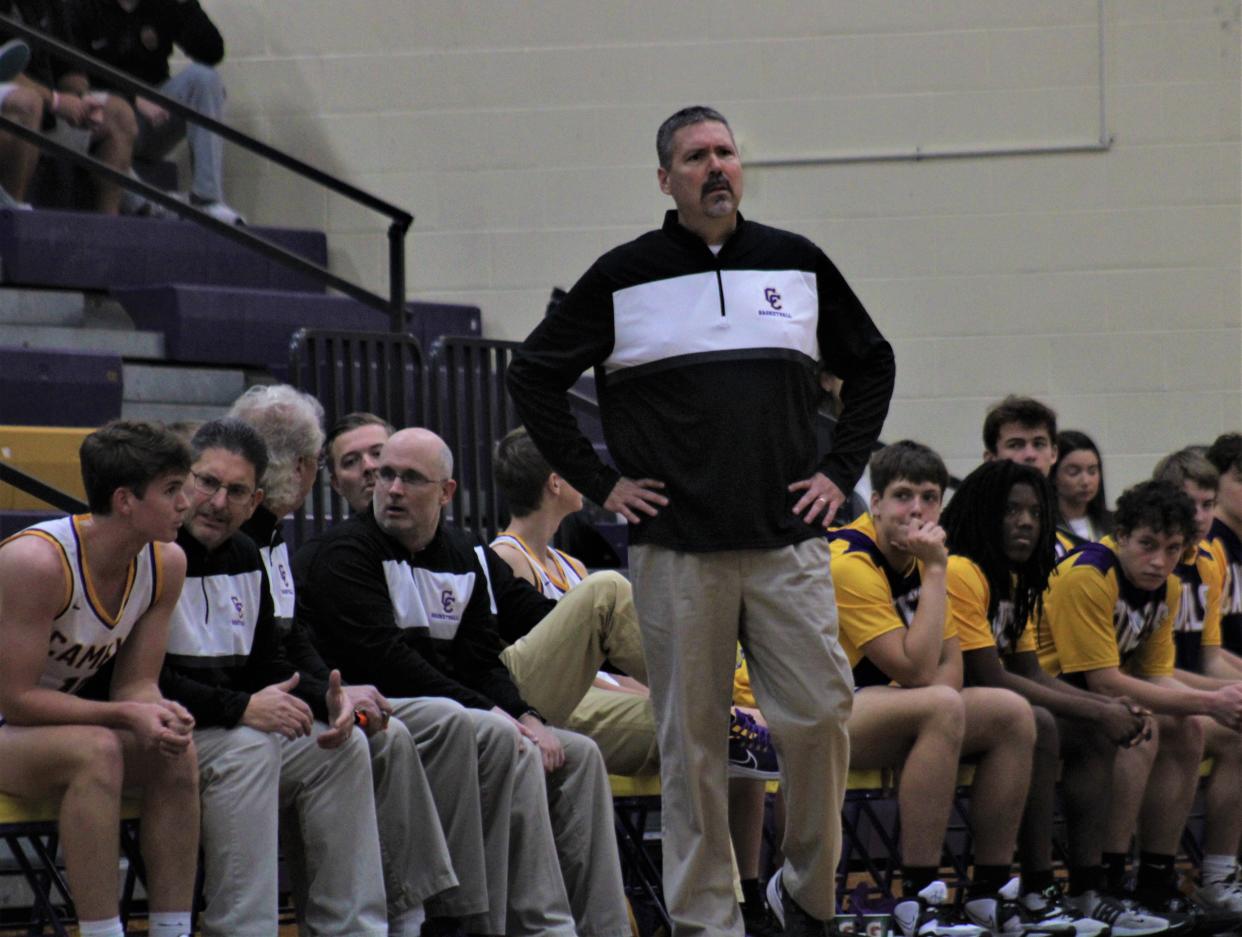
x=220, y=211
x=1048, y=908
x=1124, y=922
x=1220, y=896
x=1003, y=916
x=929, y=915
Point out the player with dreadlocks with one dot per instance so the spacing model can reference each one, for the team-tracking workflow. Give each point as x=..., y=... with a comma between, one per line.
x=1000, y=530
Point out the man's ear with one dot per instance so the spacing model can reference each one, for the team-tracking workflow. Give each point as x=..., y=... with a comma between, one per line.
x=662, y=176
x=989, y=455
x=449, y=489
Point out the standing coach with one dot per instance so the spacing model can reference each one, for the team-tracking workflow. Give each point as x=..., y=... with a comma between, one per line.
x=707, y=337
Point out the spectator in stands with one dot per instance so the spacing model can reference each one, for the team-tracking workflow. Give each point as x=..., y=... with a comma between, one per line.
x=911, y=710
x=1202, y=663
x=999, y=528
x=417, y=863
x=351, y=452
x=76, y=593
x=399, y=599
x=1078, y=480
x=1226, y=534
x=86, y=120
x=1110, y=612
x=268, y=737
x=137, y=37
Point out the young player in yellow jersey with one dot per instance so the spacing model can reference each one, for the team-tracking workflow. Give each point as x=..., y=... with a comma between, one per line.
x=1000, y=534
x=1110, y=612
x=910, y=710
x=1226, y=534
x=1203, y=663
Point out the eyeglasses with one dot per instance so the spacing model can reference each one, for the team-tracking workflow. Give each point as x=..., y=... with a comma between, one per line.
x=209, y=485
x=410, y=478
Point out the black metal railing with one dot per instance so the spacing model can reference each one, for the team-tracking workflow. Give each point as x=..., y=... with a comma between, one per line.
x=36, y=488
x=399, y=219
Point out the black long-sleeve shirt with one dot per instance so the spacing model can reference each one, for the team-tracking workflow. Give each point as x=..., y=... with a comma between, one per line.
x=223, y=645
x=411, y=624
x=139, y=42
x=707, y=371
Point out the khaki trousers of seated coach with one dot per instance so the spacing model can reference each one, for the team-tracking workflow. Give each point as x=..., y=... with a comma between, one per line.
x=693, y=608
x=553, y=667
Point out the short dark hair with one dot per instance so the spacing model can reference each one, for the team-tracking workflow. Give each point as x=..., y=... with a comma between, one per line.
x=521, y=472
x=347, y=424
x=695, y=114
x=910, y=460
x=236, y=436
x=128, y=454
x=1025, y=411
x=1187, y=465
x=1158, y=505
x=1226, y=452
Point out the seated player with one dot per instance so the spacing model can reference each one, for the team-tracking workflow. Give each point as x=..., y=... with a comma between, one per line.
x=267, y=736
x=1021, y=429
x=76, y=593
x=910, y=710
x=1000, y=535
x=417, y=864
x=1110, y=615
x=1203, y=663
x=401, y=600
x=1226, y=534
x=351, y=453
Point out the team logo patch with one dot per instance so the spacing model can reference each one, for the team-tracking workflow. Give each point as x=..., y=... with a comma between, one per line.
x=447, y=601
x=773, y=297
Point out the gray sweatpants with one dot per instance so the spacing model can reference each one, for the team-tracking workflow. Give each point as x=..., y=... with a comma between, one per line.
x=200, y=87
x=246, y=776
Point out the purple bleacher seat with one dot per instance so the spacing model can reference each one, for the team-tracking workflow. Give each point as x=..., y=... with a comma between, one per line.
x=89, y=251
x=40, y=387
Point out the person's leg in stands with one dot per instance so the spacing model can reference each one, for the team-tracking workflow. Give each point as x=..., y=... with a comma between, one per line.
x=200, y=87
x=580, y=811
x=1222, y=827
x=113, y=144
x=1132, y=770
x=85, y=766
x=920, y=731
x=330, y=792
x=240, y=782
x=1035, y=834
x=22, y=105
x=412, y=845
x=1087, y=765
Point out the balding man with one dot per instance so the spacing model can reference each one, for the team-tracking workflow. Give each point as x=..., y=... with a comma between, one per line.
x=399, y=600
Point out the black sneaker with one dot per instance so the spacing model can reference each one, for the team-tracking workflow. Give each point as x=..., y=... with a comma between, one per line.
x=759, y=921
x=929, y=914
x=751, y=754
x=795, y=921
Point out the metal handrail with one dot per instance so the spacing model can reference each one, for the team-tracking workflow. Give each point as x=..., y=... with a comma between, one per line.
x=10, y=474
x=400, y=218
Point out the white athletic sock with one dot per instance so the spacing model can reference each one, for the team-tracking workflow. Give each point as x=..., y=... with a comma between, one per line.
x=1219, y=869
x=107, y=928
x=168, y=923
x=408, y=923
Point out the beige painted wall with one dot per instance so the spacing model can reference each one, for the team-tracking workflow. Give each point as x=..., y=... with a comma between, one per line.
x=520, y=133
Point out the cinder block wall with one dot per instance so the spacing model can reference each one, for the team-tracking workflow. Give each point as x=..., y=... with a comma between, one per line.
x=521, y=135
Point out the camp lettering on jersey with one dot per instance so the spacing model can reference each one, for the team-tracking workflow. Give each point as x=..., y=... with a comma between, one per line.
x=84, y=635
x=1099, y=619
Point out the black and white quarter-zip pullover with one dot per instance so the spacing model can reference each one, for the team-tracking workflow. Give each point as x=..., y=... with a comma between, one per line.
x=706, y=365
x=411, y=624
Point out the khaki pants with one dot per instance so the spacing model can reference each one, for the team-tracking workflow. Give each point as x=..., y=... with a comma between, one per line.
x=553, y=667
x=693, y=608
